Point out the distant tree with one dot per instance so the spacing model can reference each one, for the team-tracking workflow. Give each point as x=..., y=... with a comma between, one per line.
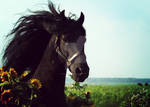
x=146, y=84
x=140, y=84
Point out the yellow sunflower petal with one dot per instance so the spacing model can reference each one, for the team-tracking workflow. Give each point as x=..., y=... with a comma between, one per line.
x=13, y=72
x=25, y=73
x=36, y=83
x=4, y=76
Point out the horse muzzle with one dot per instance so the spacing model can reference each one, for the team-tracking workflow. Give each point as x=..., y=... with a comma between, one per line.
x=81, y=72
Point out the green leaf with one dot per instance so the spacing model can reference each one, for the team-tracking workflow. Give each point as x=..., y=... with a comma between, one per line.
x=4, y=83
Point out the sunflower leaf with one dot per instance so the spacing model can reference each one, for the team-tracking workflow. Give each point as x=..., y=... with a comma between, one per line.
x=4, y=83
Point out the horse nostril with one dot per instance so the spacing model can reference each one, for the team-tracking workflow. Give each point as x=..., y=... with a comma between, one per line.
x=78, y=71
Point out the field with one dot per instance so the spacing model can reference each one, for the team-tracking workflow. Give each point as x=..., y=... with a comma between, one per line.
x=110, y=95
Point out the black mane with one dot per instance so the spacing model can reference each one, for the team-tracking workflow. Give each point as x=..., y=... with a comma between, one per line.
x=31, y=35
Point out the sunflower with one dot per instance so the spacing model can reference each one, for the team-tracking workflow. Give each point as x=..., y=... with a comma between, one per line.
x=36, y=83
x=71, y=97
x=4, y=76
x=1, y=70
x=25, y=73
x=87, y=95
x=6, y=96
x=13, y=72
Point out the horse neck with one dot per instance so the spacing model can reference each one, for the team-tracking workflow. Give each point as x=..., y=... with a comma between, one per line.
x=51, y=72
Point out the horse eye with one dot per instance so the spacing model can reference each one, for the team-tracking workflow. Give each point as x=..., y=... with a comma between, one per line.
x=69, y=39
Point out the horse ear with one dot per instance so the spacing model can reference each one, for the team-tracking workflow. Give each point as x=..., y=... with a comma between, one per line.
x=81, y=19
x=62, y=13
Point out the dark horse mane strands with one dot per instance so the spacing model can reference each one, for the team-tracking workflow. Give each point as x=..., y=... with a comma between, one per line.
x=30, y=38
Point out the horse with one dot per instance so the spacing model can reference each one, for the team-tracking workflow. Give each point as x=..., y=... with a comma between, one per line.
x=48, y=43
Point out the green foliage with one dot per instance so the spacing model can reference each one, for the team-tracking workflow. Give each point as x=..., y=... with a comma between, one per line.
x=78, y=96
x=117, y=95
x=76, y=90
x=141, y=98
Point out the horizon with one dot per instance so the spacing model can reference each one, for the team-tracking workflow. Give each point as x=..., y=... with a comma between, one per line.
x=112, y=77
x=118, y=33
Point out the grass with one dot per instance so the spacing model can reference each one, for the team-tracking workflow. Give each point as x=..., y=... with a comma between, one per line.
x=111, y=96
x=117, y=95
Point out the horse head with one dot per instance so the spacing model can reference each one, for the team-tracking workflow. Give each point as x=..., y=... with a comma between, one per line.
x=70, y=46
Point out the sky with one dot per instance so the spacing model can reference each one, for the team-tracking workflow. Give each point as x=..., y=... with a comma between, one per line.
x=118, y=32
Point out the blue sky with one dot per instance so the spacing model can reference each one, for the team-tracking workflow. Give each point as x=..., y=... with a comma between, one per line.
x=118, y=32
